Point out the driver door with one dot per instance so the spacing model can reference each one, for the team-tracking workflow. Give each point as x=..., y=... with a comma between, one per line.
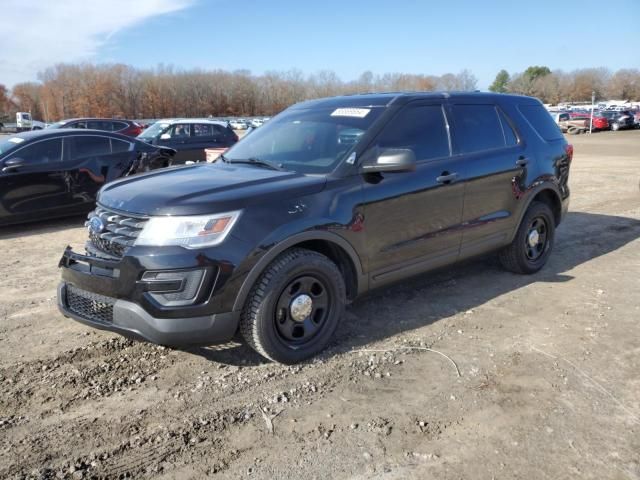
x=413, y=219
x=36, y=184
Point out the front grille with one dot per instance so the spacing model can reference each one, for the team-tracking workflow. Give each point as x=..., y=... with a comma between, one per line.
x=91, y=306
x=119, y=232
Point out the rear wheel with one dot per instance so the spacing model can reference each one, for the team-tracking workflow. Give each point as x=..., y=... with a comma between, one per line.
x=532, y=245
x=294, y=307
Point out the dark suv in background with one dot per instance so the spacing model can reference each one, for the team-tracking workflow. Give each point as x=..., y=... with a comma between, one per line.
x=190, y=137
x=123, y=127
x=328, y=200
x=619, y=120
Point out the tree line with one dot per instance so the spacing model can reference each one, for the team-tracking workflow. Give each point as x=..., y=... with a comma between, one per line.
x=117, y=90
x=577, y=86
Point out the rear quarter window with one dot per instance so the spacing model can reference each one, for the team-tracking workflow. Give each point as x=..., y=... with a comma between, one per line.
x=540, y=120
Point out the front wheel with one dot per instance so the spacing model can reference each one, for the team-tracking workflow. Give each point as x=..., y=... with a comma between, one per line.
x=615, y=127
x=532, y=245
x=294, y=307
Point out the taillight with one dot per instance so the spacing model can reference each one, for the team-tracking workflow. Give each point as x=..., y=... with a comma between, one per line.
x=568, y=148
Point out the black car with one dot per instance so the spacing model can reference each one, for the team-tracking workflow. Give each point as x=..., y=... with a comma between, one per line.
x=121, y=126
x=190, y=137
x=619, y=120
x=294, y=222
x=49, y=173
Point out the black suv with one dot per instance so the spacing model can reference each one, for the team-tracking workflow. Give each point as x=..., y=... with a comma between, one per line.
x=190, y=137
x=294, y=222
x=619, y=120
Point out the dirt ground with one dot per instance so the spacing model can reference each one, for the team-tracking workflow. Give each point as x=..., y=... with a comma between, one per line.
x=548, y=386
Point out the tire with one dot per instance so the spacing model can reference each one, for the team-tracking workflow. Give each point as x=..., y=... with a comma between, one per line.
x=523, y=257
x=270, y=322
x=615, y=126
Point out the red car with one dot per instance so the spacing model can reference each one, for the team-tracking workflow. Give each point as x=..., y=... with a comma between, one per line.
x=599, y=122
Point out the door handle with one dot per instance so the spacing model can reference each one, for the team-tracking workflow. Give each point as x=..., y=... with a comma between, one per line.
x=12, y=168
x=522, y=162
x=447, y=177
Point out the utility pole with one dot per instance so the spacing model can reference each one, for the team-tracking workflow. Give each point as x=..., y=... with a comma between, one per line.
x=593, y=99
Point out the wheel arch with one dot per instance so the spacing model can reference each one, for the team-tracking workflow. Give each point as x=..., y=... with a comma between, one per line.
x=548, y=193
x=552, y=199
x=336, y=248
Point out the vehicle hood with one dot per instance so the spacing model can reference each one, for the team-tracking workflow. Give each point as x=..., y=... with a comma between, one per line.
x=204, y=188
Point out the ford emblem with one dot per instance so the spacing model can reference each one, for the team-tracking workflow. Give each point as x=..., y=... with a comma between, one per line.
x=96, y=225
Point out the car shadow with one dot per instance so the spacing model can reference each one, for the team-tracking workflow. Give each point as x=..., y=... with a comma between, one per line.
x=40, y=227
x=425, y=299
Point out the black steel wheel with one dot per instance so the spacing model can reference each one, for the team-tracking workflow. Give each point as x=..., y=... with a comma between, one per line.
x=294, y=307
x=536, y=238
x=302, y=309
x=533, y=242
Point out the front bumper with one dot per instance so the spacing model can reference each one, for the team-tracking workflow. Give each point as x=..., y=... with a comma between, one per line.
x=131, y=320
x=114, y=295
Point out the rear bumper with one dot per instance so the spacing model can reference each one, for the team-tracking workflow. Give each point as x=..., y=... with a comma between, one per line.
x=131, y=320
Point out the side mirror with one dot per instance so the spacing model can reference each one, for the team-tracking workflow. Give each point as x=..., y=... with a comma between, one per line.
x=165, y=136
x=12, y=164
x=391, y=160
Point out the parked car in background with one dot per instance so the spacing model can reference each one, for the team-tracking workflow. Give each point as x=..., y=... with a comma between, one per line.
x=189, y=137
x=123, y=127
x=256, y=122
x=52, y=173
x=599, y=122
x=37, y=125
x=619, y=120
x=273, y=240
x=238, y=124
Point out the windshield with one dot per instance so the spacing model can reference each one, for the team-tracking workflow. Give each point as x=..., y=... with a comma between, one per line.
x=8, y=144
x=306, y=141
x=154, y=130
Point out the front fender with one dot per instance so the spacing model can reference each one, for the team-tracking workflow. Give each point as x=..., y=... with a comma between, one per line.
x=289, y=241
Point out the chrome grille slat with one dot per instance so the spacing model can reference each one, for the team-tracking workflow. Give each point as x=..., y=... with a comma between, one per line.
x=120, y=232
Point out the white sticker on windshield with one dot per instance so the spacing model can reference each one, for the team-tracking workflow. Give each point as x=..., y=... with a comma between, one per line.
x=16, y=140
x=351, y=112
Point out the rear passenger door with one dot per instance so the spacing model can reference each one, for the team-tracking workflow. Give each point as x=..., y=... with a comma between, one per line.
x=412, y=219
x=203, y=136
x=486, y=140
x=92, y=161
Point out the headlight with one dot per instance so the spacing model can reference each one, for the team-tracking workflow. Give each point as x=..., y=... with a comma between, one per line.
x=191, y=231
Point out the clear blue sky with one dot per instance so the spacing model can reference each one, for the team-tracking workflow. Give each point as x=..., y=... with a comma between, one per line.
x=351, y=37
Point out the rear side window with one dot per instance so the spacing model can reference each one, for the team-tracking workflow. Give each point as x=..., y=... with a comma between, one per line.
x=541, y=121
x=203, y=130
x=90, y=146
x=99, y=125
x=116, y=126
x=421, y=129
x=478, y=128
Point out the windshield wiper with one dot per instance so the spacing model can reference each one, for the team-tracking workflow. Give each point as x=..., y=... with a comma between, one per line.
x=258, y=161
